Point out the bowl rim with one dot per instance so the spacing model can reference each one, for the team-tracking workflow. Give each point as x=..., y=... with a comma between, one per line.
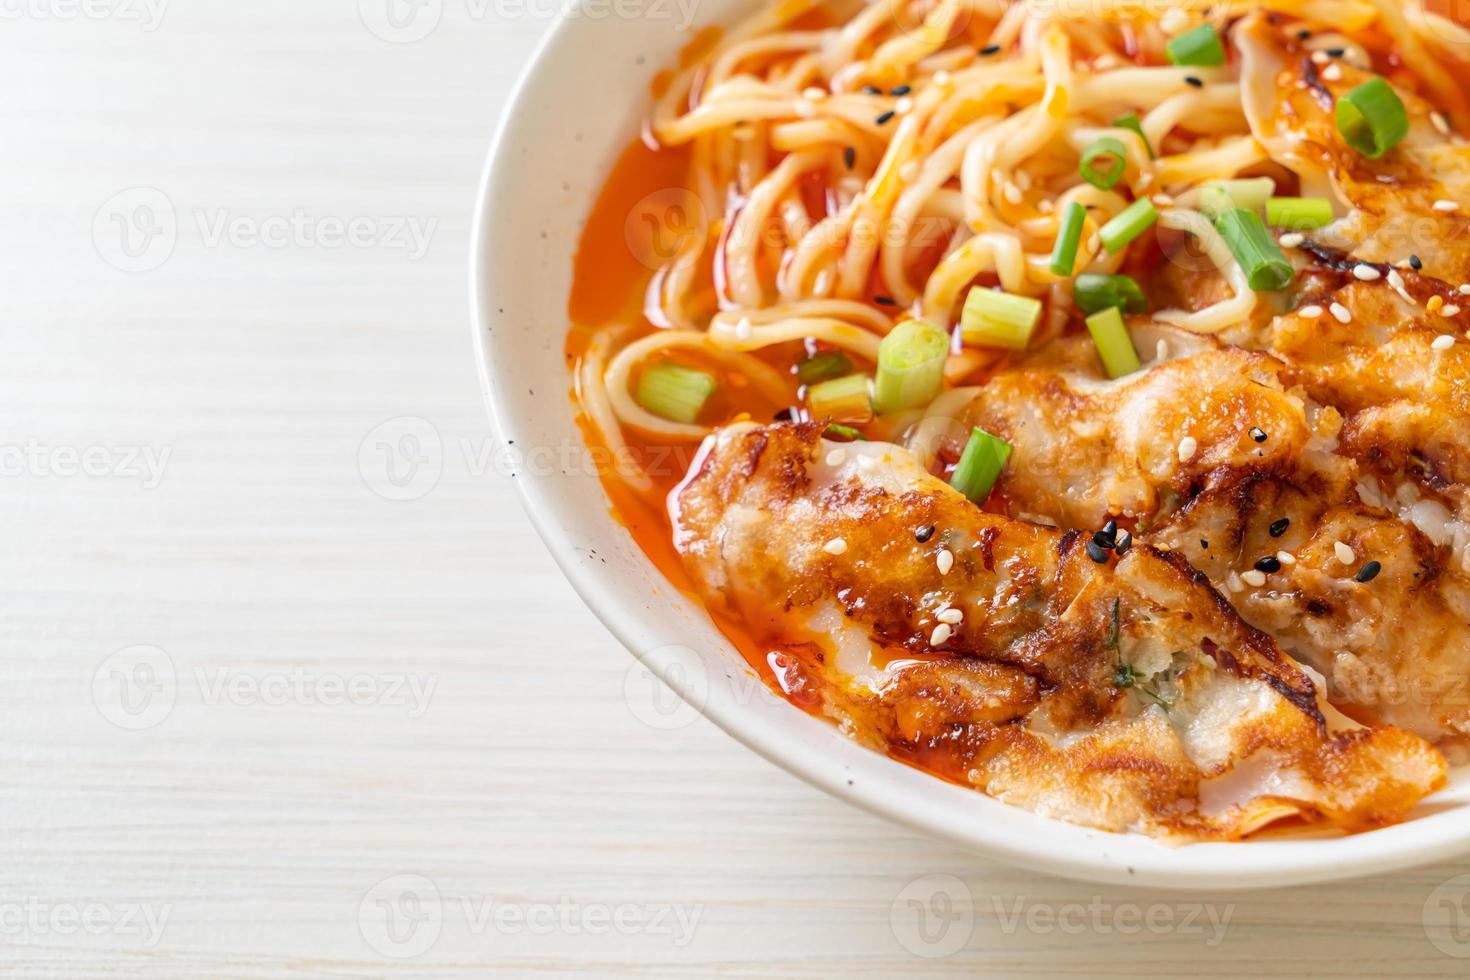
x=1108, y=858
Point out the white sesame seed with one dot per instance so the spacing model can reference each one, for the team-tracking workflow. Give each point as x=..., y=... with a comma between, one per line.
x=1440, y=123
x=1104, y=61
x=941, y=633
x=1464, y=289
x=1254, y=577
x=1174, y=21
x=1045, y=206
x=1444, y=204
x=805, y=109
x=1397, y=282
x=904, y=106
x=1365, y=272
x=1343, y=552
x=1163, y=200
x=945, y=560
x=837, y=457
x=1286, y=557
x=743, y=329
x=1340, y=313
x=943, y=79
x=1233, y=583
x=1188, y=446
x=952, y=616
x=1443, y=342
x=1449, y=309
x=1332, y=73
x=1013, y=193
x=1319, y=57
x=836, y=546
x=814, y=94
x=1161, y=350
x=1311, y=312
x=1292, y=239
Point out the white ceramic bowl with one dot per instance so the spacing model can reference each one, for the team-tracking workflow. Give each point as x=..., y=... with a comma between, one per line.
x=576, y=107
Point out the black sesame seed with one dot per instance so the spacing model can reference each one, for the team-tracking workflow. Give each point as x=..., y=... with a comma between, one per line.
x=872, y=90
x=1336, y=52
x=1125, y=541
x=1369, y=572
x=901, y=90
x=1110, y=528
x=1302, y=35
x=885, y=117
x=1258, y=434
x=924, y=533
x=885, y=301
x=783, y=416
x=1196, y=82
x=1204, y=544
x=849, y=157
x=1270, y=564
x=1416, y=263
x=989, y=50
x=1103, y=541
x=1097, y=554
x=1278, y=528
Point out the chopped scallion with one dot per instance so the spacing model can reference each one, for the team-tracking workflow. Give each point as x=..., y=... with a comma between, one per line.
x=1298, y=213
x=910, y=367
x=1219, y=196
x=1093, y=292
x=1114, y=345
x=1130, y=121
x=1265, y=265
x=980, y=465
x=1372, y=118
x=675, y=392
x=992, y=318
x=1198, y=48
x=1069, y=234
x=1128, y=224
x=846, y=399
x=823, y=366
x=1114, y=160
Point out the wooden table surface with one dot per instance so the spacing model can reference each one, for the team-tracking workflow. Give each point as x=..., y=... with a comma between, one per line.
x=265, y=717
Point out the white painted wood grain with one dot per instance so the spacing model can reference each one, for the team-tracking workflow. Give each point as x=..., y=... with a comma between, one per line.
x=527, y=785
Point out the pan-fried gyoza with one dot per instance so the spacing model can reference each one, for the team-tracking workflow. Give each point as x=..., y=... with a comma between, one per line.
x=1073, y=402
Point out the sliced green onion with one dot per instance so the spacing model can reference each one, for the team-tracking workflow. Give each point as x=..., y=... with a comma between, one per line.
x=1218, y=196
x=1372, y=118
x=910, y=367
x=992, y=318
x=1114, y=345
x=845, y=432
x=675, y=392
x=1266, y=267
x=1093, y=292
x=1064, y=252
x=846, y=399
x=1199, y=48
x=1298, y=213
x=1115, y=156
x=824, y=366
x=980, y=465
x=1130, y=121
x=1128, y=224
